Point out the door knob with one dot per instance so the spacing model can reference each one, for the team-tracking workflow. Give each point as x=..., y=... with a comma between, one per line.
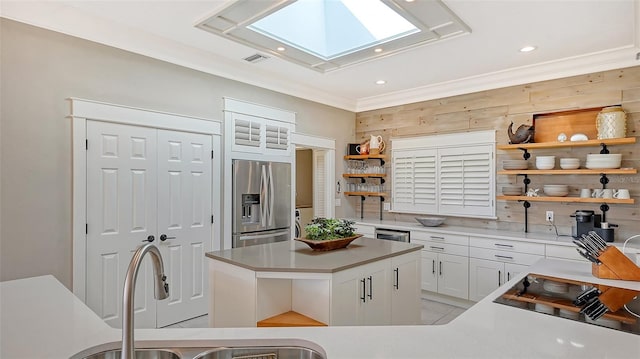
x=163, y=237
x=150, y=239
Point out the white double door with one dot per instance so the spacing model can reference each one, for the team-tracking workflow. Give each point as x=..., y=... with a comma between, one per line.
x=144, y=182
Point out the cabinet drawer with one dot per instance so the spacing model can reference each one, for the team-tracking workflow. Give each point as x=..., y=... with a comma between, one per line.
x=439, y=247
x=563, y=252
x=504, y=256
x=458, y=239
x=506, y=245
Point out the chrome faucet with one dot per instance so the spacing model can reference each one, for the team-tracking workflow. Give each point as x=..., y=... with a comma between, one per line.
x=161, y=292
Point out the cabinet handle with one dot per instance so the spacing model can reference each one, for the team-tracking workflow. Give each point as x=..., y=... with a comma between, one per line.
x=396, y=285
x=508, y=276
x=370, y=287
x=503, y=245
x=433, y=266
x=364, y=290
x=437, y=238
x=437, y=248
x=440, y=268
x=503, y=257
x=499, y=276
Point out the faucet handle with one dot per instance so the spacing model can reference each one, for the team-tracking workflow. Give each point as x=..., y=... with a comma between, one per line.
x=150, y=239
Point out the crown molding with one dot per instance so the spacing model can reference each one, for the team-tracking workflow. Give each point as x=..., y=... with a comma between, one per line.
x=573, y=66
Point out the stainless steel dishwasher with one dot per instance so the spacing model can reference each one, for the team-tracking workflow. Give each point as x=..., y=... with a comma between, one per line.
x=393, y=235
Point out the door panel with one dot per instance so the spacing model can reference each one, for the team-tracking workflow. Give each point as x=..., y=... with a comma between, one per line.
x=121, y=213
x=184, y=211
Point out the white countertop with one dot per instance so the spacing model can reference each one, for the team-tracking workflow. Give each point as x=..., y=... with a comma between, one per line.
x=546, y=238
x=295, y=256
x=40, y=318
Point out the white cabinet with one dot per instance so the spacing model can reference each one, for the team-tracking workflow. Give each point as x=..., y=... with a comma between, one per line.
x=258, y=135
x=445, y=263
x=493, y=262
x=361, y=296
x=365, y=229
x=485, y=276
x=405, y=289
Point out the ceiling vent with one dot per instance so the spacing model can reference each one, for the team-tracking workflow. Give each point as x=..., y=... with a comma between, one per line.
x=255, y=58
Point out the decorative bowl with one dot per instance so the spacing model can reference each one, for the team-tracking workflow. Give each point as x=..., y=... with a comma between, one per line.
x=430, y=221
x=328, y=244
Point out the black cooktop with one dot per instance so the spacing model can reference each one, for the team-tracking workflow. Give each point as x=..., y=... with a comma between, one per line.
x=579, y=301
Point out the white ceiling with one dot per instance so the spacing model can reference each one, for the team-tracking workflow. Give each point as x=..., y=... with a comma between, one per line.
x=573, y=37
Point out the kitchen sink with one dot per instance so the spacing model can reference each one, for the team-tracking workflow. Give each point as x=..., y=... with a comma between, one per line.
x=240, y=349
x=140, y=354
x=262, y=353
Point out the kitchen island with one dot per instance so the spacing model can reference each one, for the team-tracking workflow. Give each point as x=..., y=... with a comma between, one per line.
x=371, y=282
x=61, y=326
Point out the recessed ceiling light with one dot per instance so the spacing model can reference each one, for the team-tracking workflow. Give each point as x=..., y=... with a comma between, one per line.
x=381, y=82
x=409, y=0
x=280, y=48
x=378, y=50
x=527, y=49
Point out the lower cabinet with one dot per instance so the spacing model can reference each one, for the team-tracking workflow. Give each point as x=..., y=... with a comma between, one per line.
x=405, y=289
x=485, y=276
x=445, y=274
x=379, y=293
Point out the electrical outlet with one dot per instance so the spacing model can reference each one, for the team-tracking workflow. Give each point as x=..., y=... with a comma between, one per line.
x=386, y=206
x=549, y=216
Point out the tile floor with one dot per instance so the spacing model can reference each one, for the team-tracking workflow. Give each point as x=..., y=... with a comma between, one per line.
x=433, y=313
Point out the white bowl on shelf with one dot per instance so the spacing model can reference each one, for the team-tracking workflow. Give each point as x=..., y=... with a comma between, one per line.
x=605, y=322
x=544, y=308
x=566, y=313
x=603, y=161
x=512, y=190
x=555, y=287
x=515, y=164
x=556, y=190
x=545, y=162
x=569, y=163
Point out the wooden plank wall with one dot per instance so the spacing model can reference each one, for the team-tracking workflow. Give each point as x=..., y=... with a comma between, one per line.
x=495, y=109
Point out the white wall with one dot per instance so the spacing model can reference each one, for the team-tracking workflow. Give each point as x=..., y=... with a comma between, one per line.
x=39, y=70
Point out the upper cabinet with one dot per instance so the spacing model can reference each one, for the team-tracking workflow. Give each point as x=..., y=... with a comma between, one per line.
x=450, y=174
x=255, y=129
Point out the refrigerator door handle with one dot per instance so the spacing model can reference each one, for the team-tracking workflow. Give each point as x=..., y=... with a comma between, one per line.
x=263, y=197
x=272, y=200
x=265, y=235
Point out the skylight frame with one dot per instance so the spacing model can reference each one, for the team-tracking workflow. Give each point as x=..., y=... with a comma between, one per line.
x=434, y=19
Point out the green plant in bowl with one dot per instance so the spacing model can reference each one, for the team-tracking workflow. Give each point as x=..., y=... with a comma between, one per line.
x=329, y=228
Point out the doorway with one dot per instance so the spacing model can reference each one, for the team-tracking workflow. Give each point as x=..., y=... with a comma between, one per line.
x=315, y=178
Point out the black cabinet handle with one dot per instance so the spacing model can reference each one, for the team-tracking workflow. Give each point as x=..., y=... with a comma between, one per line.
x=370, y=287
x=150, y=239
x=508, y=276
x=440, y=268
x=433, y=266
x=364, y=290
x=499, y=275
x=396, y=285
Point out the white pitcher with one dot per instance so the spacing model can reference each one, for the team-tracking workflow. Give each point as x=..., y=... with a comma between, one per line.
x=375, y=141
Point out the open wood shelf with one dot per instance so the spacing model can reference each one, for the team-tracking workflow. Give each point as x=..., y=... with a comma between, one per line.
x=566, y=304
x=290, y=319
x=366, y=157
x=366, y=194
x=566, y=199
x=530, y=146
x=364, y=175
x=614, y=171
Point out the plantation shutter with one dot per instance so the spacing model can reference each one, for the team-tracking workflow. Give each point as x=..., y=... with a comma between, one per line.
x=466, y=180
x=414, y=181
x=246, y=132
x=277, y=137
x=319, y=184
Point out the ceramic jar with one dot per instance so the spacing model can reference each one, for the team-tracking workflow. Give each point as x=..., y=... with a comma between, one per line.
x=611, y=122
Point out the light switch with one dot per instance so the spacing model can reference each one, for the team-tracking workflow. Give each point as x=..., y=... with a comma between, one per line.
x=386, y=206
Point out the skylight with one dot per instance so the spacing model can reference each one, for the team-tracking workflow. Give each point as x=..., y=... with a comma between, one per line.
x=326, y=35
x=331, y=28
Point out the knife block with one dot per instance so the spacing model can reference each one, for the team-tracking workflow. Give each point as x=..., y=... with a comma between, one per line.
x=615, y=265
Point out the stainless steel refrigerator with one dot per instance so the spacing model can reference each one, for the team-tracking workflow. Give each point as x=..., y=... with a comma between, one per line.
x=261, y=202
